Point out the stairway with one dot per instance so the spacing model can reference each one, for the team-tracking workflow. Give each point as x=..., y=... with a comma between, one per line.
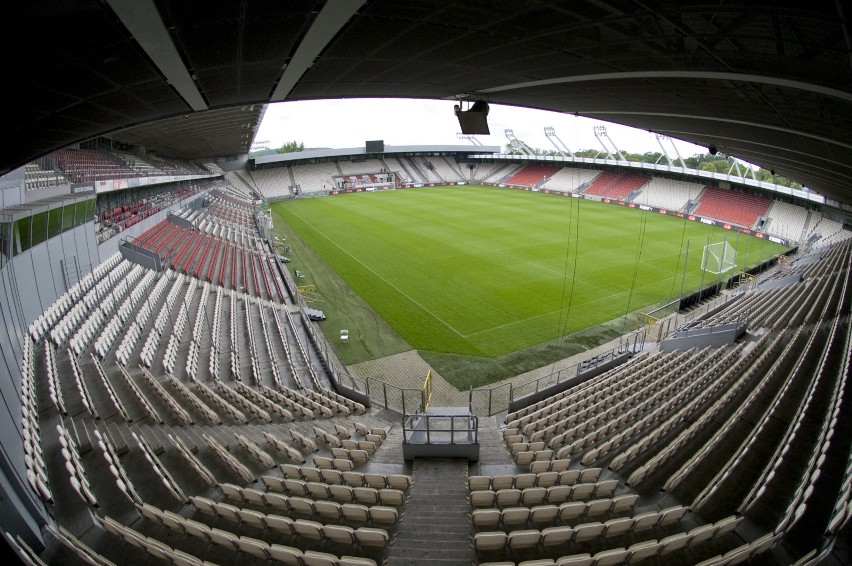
x=435, y=529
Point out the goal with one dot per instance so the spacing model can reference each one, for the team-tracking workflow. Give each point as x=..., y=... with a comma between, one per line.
x=719, y=258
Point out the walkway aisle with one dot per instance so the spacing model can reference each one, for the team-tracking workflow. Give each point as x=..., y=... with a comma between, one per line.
x=435, y=529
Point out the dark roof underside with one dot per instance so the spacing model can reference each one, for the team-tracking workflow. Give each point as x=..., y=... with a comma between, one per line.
x=770, y=83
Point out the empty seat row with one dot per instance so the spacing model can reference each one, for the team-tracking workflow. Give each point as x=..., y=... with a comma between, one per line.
x=568, y=512
x=322, y=509
x=162, y=472
x=223, y=404
x=551, y=537
x=257, y=453
x=338, y=492
x=541, y=479
x=36, y=468
x=197, y=466
x=531, y=496
x=119, y=474
x=351, y=478
x=229, y=459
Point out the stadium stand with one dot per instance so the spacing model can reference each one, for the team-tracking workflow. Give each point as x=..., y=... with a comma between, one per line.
x=499, y=173
x=316, y=177
x=274, y=183
x=735, y=207
x=446, y=169
x=533, y=174
x=570, y=179
x=280, y=481
x=787, y=220
x=615, y=185
x=669, y=193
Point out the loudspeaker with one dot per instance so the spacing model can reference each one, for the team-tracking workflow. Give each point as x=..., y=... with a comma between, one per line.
x=475, y=120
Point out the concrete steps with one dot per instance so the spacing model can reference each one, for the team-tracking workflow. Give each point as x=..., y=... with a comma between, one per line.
x=437, y=510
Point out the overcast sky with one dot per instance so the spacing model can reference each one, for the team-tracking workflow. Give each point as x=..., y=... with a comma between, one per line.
x=350, y=122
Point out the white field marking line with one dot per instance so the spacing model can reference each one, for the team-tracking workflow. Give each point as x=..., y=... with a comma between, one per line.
x=394, y=287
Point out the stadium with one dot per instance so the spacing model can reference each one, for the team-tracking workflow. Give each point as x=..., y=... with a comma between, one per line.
x=425, y=354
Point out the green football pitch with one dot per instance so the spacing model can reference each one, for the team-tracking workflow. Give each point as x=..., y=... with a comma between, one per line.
x=483, y=271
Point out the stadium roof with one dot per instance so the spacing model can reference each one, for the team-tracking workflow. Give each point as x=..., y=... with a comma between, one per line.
x=768, y=82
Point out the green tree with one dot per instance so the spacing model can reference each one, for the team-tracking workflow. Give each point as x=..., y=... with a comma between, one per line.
x=291, y=147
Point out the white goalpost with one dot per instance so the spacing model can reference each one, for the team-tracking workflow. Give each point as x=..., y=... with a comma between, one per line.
x=719, y=258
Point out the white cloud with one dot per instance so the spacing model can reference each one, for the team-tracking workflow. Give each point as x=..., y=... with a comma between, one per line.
x=340, y=123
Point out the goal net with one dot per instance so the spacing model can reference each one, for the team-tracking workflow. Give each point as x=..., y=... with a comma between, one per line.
x=719, y=258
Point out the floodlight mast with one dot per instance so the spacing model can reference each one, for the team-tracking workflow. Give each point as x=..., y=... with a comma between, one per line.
x=660, y=139
x=470, y=138
x=601, y=135
x=515, y=143
x=550, y=132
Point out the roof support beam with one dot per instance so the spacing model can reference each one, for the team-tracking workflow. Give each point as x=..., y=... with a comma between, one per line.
x=142, y=20
x=707, y=75
x=331, y=19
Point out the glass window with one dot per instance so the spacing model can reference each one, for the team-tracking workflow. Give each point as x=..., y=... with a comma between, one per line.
x=39, y=228
x=21, y=235
x=54, y=222
x=68, y=217
x=80, y=214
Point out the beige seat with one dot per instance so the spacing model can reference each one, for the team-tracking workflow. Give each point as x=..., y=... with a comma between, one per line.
x=589, y=475
x=502, y=482
x=490, y=541
x=480, y=499
x=318, y=490
x=253, y=518
x=486, y=519
x=384, y=515
x=231, y=491
x=353, y=479
x=642, y=551
x=316, y=558
x=206, y=506
x=623, y=503
x=291, y=471
x=547, y=479
x=276, y=501
x=322, y=463
x=376, y=481
x=584, y=559
x=477, y=483
x=617, y=527
x=611, y=557
x=331, y=476
x=273, y=483
x=559, y=494
x=598, y=507
x=582, y=491
x=254, y=547
x=673, y=543
x=513, y=517
x=285, y=554
x=355, y=561
x=197, y=529
x=301, y=505
x=279, y=524
x=556, y=536
x=606, y=488
x=509, y=497
x=569, y=477
x=523, y=481
x=392, y=497
x=588, y=531
x=570, y=511
x=366, y=495
x=310, y=530
x=355, y=512
x=398, y=481
x=311, y=474
x=343, y=464
x=544, y=514
x=371, y=537
x=339, y=534
x=645, y=521
x=254, y=497
x=328, y=510
x=723, y=526
x=341, y=493
x=295, y=487
x=523, y=539
x=534, y=496
x=701, y=534
x=224, y=538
